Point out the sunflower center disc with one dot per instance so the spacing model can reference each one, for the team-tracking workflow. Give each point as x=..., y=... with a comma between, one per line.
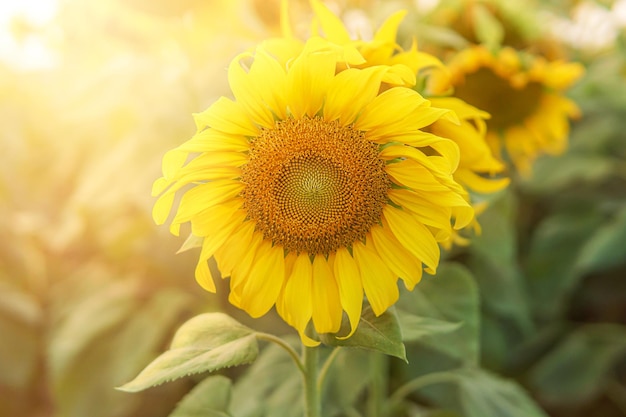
x=507, y=105
x=314, y=186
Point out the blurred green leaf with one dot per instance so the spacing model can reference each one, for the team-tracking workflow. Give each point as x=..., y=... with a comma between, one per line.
x=606, y=248
x=572, y=169
x=494, y=263
x=346, y=381
x=483, y=394
x=449, y=298
x=95, y=315
x=205, y=343
x=554, y=252
x=578, y=367
x=210, y=398
x=271, y=386
x=379, y=334
x=488, y=29
x=415, y=327
x=474, y=392
x=115, y=352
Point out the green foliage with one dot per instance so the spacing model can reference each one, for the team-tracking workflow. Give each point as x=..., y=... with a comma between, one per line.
x=488, y=29
x=379, y=334
x=210, y=398
x=272, y=386
x=205, y=343
x=476, y=393
x=448, y=306
x=580, y=366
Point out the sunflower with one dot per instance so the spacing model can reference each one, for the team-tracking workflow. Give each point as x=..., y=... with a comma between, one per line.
x=524, y=96
x=315, y=187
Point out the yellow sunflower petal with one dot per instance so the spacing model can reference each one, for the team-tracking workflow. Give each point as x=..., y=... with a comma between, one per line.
x=413, y=235
x=204, y=276
x=244, y=88
x=205, y=196
x=391, y=107
x=379, y=283
x=398, y=259
x=308, y=80
x=327, y=312
x=240, y=273
x=388, y=31
x=350, y=287
x=412, y=174
x=332, y=26
x=226, y=116
x=428, y=211
x=229, y=255
x=297, y=296
x=349, y=91
x=264, y=281
x=217, y=218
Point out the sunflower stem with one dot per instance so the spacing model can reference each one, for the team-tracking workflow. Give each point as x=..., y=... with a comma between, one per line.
x=326, y=367
x=416, y=384
x=378, y=367
x=311, y=391
x=280, y=342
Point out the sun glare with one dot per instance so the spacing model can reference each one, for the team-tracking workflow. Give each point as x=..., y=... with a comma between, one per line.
x=22, y=25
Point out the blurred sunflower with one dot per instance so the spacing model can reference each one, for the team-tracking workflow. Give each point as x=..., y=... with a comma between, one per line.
x=313, y=188
x=524, y=96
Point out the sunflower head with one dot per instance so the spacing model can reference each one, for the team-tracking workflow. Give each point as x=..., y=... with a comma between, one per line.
x=315, y=187
x=524, y=94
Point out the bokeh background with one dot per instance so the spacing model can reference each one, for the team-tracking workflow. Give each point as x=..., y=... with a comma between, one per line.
x=94, y=92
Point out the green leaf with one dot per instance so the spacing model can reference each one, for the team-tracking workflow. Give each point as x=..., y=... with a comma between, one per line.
x=114, y=350
x=570, y=170
x=577, y=368
x=494, y=263
x=488, y=29
x=448, y=304
x=473, y=392
x=210, y=398
x=482, y=394
x=271, y=386
x=379, y=334
x=205, y=343
x=606, y=248
x=554, y=251
x=95, y=315
x=346, y=381
x=416, y=327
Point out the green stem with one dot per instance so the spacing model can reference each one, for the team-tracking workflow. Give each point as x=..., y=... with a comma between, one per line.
x=280, y=342
x=378, y=370
x=326, y=367
x=416, y=384
x=311, y=391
